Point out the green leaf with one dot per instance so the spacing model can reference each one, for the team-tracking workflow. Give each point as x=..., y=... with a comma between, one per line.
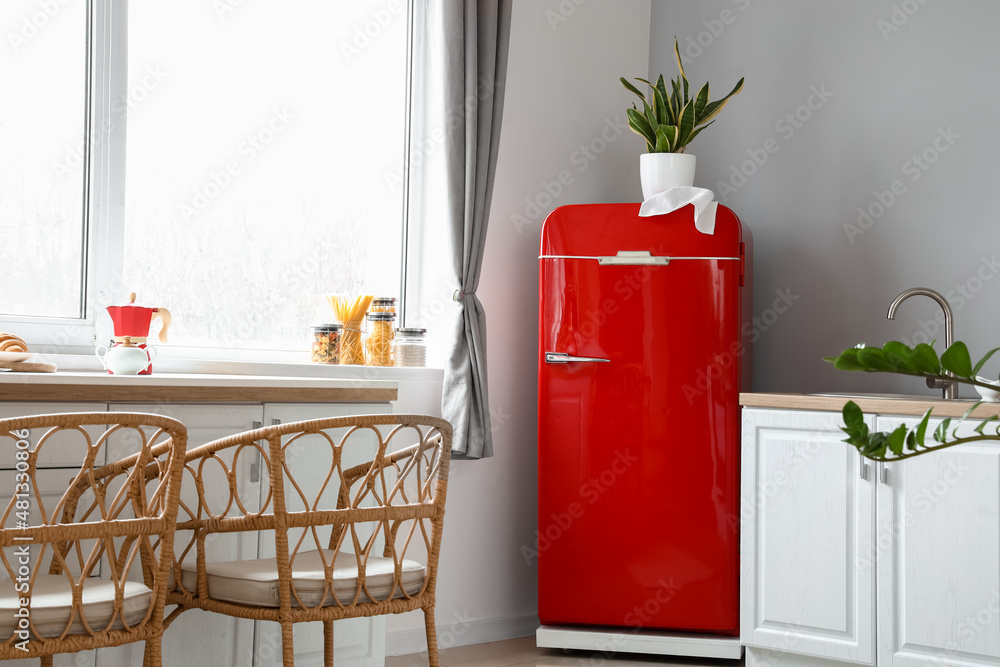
x=638, y=124
x=875, y=446
x=984, y=423
x=982, y=362
x=899, y=356
x=712, y=110
x=700, y=102
x=854, y=418
x=677, y=55
x=873, y=359
x=956, y=359
x=922, y=427
x=686, y=126
x=697, y=132
x=666, y=135
x=660, y=102
x=911, y=441
x=676, y=102
x=897, y=439
x=965, y=416
x=926, y=359
x=941, y=432
x=629, y=87
x=847, y=361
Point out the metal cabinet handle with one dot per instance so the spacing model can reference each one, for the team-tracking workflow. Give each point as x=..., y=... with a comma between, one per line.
x=883, y=473
x=564, y=358
x=255, y=466
x=863, y=468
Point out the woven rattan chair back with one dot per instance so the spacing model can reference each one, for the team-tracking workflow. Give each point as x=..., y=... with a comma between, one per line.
x=351, y=507
x=88, y=566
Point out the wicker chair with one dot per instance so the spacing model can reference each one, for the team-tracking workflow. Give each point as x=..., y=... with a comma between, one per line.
x=88, y=567
x=328, y=564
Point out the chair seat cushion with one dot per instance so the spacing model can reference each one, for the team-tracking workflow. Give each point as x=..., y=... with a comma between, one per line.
x=52, y=600
x=255, y=582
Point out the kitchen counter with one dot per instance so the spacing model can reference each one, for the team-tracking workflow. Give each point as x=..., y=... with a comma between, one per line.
x=888, y=404
x=188, y=387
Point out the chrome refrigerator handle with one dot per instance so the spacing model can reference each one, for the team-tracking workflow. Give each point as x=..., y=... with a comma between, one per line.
x=564, y=358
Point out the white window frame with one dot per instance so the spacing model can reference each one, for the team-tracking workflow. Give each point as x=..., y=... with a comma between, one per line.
x=104, y=194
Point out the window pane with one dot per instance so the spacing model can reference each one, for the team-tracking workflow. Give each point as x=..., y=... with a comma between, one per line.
x=42, y=115
x=263, y=165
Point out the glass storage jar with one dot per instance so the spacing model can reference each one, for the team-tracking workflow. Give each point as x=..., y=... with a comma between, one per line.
x=383, y=304
x=411, y=348
x=378, y=346
x=326, y=343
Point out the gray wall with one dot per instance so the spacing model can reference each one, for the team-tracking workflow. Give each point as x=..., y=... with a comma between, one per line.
x=903, y=75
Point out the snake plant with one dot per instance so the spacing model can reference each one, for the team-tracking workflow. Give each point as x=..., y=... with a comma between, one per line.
x=920, y=361
x=671, y=119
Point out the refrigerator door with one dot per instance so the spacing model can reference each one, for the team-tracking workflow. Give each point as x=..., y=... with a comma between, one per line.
x=639, y=454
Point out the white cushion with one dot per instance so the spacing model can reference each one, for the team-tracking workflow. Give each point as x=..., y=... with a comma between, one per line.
x=52, y=600
x=255, y=582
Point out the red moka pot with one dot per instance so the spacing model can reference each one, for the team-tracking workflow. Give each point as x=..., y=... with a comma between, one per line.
x=134, y=321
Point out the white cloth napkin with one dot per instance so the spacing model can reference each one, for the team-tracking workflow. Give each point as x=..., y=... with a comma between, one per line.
x=675, y=198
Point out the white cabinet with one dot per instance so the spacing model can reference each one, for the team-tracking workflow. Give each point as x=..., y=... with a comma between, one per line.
x=896, y=568
x=199, y=637
x=359, y=642
x=939, y=556
x=808, y=523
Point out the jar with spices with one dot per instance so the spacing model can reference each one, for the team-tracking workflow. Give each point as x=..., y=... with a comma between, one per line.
x=378, y=347
x=383, y=304
x=411, y=349
x=326, y=344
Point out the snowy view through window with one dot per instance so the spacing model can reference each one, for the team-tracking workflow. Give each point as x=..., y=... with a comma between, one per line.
x=264, y=163
x=42, y=106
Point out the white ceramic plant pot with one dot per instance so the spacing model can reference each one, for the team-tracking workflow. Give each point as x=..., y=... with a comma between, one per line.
x=661, y=171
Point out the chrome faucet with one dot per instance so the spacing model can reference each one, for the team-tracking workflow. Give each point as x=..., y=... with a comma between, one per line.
x=949, y=387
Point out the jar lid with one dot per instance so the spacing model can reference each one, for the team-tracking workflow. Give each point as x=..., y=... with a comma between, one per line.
x=381, y=317
x=384, y=301
x=327, y=327
x=413, y=331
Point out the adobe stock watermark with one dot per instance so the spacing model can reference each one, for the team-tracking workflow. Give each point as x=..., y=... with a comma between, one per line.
x=152, y=78
x=22, y=515
x=589, y=492
x=365, y=35
x=786, y=126
x=899, y=16
x=562, y=12
x=33, y=24
x=959, y=297
x=249, y=150
x=223, y=8
x=914, y=168
x=754, y=329
x=694, y=46
x=579, y=161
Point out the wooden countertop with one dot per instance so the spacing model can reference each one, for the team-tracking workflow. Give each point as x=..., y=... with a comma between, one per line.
x=191, y=388
x=888, y=404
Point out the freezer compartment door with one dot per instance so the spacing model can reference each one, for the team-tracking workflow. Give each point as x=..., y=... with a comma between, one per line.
x=639, y=455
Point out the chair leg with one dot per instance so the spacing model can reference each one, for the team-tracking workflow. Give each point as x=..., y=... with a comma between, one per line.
x=45, y=661
x=287, y=645
x=328, y=643
x=432, y=640
x=152, y=656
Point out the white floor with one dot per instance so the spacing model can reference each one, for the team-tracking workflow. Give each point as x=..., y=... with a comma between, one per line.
x=522, y=653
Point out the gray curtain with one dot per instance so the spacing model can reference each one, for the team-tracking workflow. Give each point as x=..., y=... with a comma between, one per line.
x=476, y=34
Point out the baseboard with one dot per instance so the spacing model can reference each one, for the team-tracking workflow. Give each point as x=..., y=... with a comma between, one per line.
x=462, y=632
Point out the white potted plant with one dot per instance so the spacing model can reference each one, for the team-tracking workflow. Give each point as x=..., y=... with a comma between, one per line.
x=669, y=121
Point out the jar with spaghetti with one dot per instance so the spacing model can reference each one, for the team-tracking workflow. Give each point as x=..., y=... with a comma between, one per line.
x=410, y=348
x=352, y=348
x=326, y=344
x=378, y=346
x=383, y=304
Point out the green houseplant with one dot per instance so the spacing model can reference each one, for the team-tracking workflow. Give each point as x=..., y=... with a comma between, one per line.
x=670, y=119
x=919, y=361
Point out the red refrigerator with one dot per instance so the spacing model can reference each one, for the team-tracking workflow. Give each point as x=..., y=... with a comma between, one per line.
x=643, y=350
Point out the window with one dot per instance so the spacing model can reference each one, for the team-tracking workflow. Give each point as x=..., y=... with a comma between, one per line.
x=245, y=159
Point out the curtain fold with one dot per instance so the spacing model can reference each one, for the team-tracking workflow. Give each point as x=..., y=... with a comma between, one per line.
x=476, y=36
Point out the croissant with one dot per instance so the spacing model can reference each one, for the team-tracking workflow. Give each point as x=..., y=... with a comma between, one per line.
x=11, y=343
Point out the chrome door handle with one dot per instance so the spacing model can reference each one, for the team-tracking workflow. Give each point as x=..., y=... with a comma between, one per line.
x=564, y=358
